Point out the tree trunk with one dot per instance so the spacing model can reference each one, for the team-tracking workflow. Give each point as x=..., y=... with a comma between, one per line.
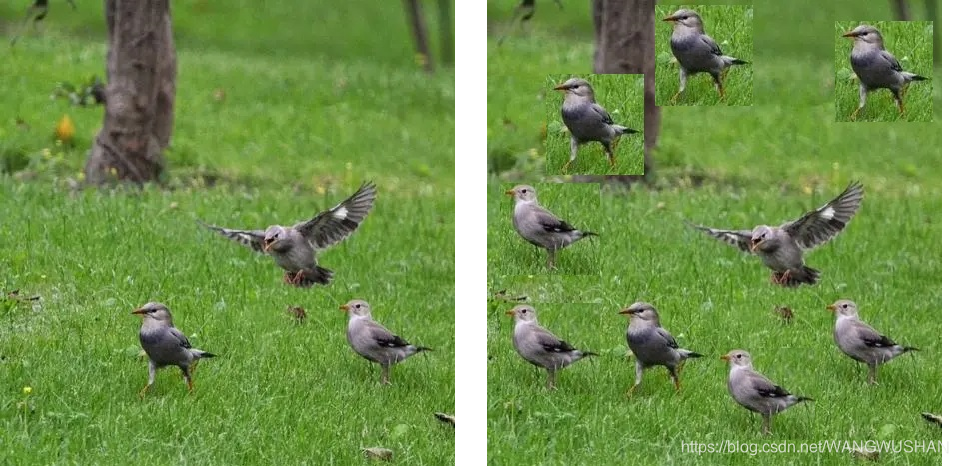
x=420, y=34
x=140, y=92
x=900, y=9
x=625, y=44
x=447, y=44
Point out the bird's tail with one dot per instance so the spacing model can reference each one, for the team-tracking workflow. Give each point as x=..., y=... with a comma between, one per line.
x=729, y=61
x=686, y=354
x=913, y=77
x=319, y=275
x=198, y=354
x=797, y=277
x=619, y=129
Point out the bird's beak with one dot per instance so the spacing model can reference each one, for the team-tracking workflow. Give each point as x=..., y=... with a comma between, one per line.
x=725, y=357
x=510, y=313
x=831, y=308
x=670, y=18
x=625, y=311
x=510, y=193
x=850, y=35
x=344, y=307
x=560, y=88
x=266, y=246
x=139, y=312
x=755, y=245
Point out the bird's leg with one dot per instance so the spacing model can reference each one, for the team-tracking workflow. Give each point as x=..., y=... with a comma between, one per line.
x=785, y=276
x=638, y=378
x=674, y=375
x=862, y=95
x=288, y=277
x=682, y=77
x=298, y=278
x=384, y=378
x=766, y=424
x=573, y=152
x=551, y=379
x=551, y=261
x=149, y=382
x=609, y=153
x=718, y=83
x=873, y=374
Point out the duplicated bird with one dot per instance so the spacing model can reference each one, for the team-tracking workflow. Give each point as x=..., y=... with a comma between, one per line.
x=540, y=227
x=588, y=121
x=696, y=52
x=294, y=248
x=540, y=346
x=755, y=392
x=165, y=345
x=782, y=248
x=876, y=68
x=374, y=342
x=860, y=341
x=652, y=345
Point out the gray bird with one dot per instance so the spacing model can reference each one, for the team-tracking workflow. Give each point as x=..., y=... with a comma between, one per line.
x=373, y=341
x=782, y=248
x=165, y=345
x=696, y=52
x=539, y=346
x=294, y=248
x=652, y=345
x=876, y=68
x=755, y=392
x=588, y=121
x=540, y=227
x=860, y=341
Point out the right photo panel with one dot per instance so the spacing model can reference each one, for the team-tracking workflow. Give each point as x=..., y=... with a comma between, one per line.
x=714, y=231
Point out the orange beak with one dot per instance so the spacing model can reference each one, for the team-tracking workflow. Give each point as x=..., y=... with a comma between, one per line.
x=139, y=312
x=850, y=35
x=725, y=357
x=510, y=313
x=510, y=193
x=560, y=88
x=831, y=308
x=670, y=18
x=625, y=311
x=344, y=308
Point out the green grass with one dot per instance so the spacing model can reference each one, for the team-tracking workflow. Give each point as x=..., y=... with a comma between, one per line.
x=731, y=28
x=300, y=127
x=911, y=42
x=723, y=167
x=618, y=94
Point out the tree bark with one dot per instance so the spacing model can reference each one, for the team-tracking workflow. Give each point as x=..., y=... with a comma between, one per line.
x=420, y=34
x=625, y=44
x=140, y=92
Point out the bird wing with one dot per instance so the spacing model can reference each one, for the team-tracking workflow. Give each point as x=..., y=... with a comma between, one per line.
x=713, y=47
x=892, y=61
x=549, y=222
x=765, y=387
x=180, y=338
x=254, y=239
x=385, y=338
x=871, y=337
x=738, y=238
x=336, y=224
x=602, y=113
x=667, y=338
x=822, y=224
x=551, y=343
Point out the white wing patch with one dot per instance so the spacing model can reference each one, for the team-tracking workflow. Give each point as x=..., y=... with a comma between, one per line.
x=828, y=213
x=340, y=213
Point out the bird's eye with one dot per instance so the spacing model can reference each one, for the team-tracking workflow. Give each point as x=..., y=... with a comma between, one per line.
x=844, y=306
x=523, y=191
x=738, y=356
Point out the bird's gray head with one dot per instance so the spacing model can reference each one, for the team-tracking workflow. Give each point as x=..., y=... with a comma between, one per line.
x=866, y=34
x=155, y=311
x=738, y=358
x=357, y=308
x=642, y=311
x=686, y=18
x=276, y=239
x=761, y=236
x=844, y=307
x=522, y=193
x=522, y=313
x=578, y=87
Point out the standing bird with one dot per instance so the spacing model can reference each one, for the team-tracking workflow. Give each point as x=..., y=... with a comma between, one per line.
x=165, y=345
x=696, y=52
x=373, y=341
x=294, y=248
x=540, y=227
x=860, y=341
x=539, y=346
x=588, y=121
x=876, y=68
x=755, y=392
x=782, y=248
x=652, y=345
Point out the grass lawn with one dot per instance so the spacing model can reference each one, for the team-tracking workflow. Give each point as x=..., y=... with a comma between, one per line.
x=618, y=94
x=728, y=168
x=912, y=43
x=731, y=28
x=269, y=129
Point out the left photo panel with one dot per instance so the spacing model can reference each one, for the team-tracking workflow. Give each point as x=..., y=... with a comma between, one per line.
x=227, y=223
